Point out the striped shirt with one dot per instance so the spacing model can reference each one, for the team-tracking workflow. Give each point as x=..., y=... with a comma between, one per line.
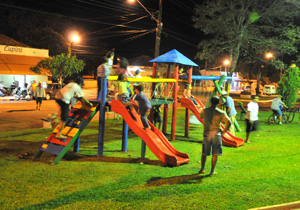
x=103, y=70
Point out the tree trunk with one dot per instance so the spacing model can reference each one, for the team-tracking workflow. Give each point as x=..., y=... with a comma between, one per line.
x=258, y=81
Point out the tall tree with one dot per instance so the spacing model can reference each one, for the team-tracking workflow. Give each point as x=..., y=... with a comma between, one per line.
x=244, y=29
x=60, y=66
x=289, y=85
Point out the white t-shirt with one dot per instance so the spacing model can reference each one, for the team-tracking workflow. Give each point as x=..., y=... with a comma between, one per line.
x=252, y=111
x=68, y=92
x=276, y=103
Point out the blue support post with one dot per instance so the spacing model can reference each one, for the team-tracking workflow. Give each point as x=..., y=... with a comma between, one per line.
x=124, y=136
x=76, y=145
x=102, y=96
x=143, y=149
x=125, y=132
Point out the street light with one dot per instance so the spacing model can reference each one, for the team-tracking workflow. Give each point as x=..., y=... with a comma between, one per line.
x=75, y=38
x=268, y=56
x=226, y=63
x=159, y=25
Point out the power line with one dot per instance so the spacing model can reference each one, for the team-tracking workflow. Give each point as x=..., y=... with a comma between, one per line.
x=182, y=6
x=131, y=38
x=117, y=25
x=174, y=37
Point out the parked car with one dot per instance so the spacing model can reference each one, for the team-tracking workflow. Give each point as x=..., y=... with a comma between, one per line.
x=269, y=90
x=51, y=90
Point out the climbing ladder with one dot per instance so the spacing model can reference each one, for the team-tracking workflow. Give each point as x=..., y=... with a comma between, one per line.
x=79, y=117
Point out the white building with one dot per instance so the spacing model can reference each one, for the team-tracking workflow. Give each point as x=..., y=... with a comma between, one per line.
x=16, y=60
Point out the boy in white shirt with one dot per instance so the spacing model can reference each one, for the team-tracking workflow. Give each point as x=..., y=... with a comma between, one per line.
x=252, y=117
x=63, y=98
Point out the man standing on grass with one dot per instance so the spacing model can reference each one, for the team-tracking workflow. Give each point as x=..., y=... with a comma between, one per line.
x=230, y=110
x=212, y=134
x=252, y=117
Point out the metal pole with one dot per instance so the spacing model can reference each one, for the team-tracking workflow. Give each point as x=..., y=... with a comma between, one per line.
x=101, y=127
x=158, y=30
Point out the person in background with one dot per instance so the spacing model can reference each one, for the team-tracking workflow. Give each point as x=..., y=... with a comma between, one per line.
x=110, y=56
x=252, y=117
x=63, y=98
x=122, y=87
x=33, y=86
x=103, y=71
x=187, y=94
x=2, y=89
x=137, y=75
x=212, y=134
x=39, y=94
x=44, y=85
x=144, y=104
x=276, y=106
x=230, y=110
x=123, y=68
x=159, y=85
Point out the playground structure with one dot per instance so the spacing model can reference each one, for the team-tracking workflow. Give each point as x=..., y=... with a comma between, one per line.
x=80, y=116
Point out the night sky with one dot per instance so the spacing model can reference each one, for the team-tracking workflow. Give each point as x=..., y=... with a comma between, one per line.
x=97, y=20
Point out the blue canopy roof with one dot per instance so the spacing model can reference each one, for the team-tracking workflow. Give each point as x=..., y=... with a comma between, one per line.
x=173, y=56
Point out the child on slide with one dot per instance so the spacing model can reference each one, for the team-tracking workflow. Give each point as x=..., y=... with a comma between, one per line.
x=122, y=87
x=143, y=103
x=187, y=94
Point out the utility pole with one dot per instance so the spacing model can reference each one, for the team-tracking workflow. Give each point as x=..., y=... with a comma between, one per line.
x=158, y=30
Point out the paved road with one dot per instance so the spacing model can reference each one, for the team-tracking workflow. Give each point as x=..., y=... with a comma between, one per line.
x=18, y=115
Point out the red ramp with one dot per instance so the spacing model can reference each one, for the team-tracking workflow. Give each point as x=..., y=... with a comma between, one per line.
x=154, y=138
x=227, y=139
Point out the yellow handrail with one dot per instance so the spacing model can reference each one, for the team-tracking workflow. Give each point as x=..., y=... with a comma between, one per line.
x=144, y=79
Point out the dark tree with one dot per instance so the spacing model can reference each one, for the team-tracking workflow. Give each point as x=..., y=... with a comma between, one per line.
x=245, y=30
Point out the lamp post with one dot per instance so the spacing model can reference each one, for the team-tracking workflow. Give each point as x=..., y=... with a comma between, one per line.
x=159, y=25
x=226, y=62
x=268, y=56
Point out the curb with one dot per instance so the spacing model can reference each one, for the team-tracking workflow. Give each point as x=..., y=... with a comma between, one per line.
x=11, y=99
x=286, y=206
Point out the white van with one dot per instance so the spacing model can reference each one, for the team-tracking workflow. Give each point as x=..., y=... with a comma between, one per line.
x=269, y=90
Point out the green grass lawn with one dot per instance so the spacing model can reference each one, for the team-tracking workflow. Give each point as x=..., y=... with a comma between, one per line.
x=265, y=172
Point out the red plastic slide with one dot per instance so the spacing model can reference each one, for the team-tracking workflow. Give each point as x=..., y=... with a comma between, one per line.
x=154, y=138
x=227, y=139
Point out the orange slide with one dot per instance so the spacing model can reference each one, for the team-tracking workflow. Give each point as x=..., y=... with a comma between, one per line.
x=154, y=138
x=227, y=139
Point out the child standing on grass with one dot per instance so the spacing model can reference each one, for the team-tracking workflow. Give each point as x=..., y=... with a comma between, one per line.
x=144, y=104
x=187, y=94
x=122, y=87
